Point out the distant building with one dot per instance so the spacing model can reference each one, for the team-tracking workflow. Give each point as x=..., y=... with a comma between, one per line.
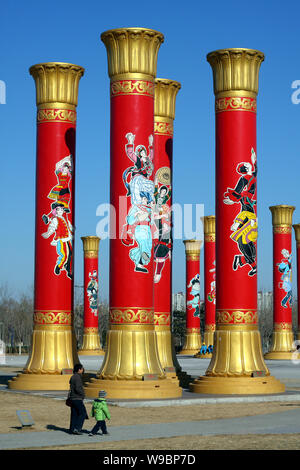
x=178, y=302
x=264, y=300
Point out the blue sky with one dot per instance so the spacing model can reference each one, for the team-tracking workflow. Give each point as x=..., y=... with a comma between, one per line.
x=69, y=31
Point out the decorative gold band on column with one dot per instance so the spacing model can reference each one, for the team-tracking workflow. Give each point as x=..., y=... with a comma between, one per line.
x=132, y=87
x=233, y=316
x=59, y=113
x=210, y=327
x=162, y=318
x=210, y=237
x=190, y=331
x=235, y=103
x=192, y=257
x=52, y=317
x=283, y=326
x=163, y=126
x=131, y=315
x=282, y=229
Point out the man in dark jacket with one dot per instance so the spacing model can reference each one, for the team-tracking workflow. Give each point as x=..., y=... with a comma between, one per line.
x=76, y=395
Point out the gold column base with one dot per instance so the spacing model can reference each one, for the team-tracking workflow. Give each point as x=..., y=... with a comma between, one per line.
x=53, y=348
x=237, y=385
x=192, y=342
x=91, y=343
x=131, y=368
x=134, y=389
x=282, y=345
x=164, y=346
x=237, y=354
x=25, y=381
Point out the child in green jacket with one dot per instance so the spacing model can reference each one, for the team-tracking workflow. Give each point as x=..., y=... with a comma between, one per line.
x=100, y=412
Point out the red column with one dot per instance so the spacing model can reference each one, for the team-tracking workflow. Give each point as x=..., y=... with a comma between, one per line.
x=283, y=337
x=237, y=353
x=91, y=341
x=209, y=285
x=297, y=237
x=53, y=342
x=164, y=114
x=131, y=356
x=192, y=336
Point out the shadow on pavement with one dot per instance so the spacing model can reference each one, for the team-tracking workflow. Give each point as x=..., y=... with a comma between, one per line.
x=53, y=427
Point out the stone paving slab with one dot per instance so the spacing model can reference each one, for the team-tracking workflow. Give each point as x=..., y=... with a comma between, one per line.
x=286, y=422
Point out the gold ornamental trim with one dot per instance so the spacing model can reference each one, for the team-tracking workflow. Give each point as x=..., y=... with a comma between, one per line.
x=193, y=257
x=50, y=317
x=165, y=97
x=242, y=316
x=282, y=215
x=132, y=50
x=131, y=315
x=210, y=327
x=283, y=326
x=191, y=331
x=162, y=318
x=90, y=246
x=163, y=128
x=210, y=237
x=90, y=330
x=56, y=115
x=132, y=87
x=235, y=69
x=296, y=228
x=91, y=254
x=235, y=103
x=56, y=82
x=282, y=229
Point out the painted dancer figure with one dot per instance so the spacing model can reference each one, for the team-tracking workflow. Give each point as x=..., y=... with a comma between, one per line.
x=211, y=296
x=244, y=227
x=140, y=219
x=61, y=191
x=137, y=182
x=285, y=267
x=92, y=292
x=62, y=229
x=134, y=177
x=195, y=292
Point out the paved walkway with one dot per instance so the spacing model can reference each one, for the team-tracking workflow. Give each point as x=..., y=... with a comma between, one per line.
x=286, y=422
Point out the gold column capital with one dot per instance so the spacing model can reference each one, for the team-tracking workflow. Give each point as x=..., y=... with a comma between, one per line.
x=56, y=83
x=297, y=232
x=90, y=244
x=193, y=247
x=282, y=215
x=132, y=51
x=209, y=225
x=165, y=98
x=235, y=70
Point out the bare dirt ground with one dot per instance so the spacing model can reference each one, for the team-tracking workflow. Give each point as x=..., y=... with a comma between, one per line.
x=49, y=414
